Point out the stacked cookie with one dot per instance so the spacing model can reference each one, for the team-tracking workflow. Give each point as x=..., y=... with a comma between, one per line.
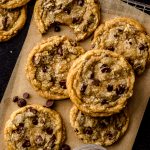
x=12, y=18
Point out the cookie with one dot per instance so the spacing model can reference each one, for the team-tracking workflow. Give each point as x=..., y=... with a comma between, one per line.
x=48, y=65
x=9, y=4
x=100, y=82
x=99, y=130
x=126, y=37
x=11, y=21
x=34, y=127
x=80, y=15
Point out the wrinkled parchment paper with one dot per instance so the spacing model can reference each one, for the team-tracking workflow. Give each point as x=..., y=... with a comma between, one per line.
x=18, y=83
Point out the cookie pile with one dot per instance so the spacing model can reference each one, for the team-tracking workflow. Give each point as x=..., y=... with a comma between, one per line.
x=12, y=18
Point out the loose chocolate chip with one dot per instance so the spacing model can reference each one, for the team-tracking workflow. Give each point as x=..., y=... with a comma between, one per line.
x=21, y=102
x=109, y=88
x=15, y=99
x=104, y=101
x=120, y=89
x=80, y=2
x=49, y=103
x=34, y=111
x=67, y=10
x=39, y=140
x=77, y=20
x=26, y=95
x=105, y=68
x=88, y=130
x=111, y=48
x=60, y=51
x=65, y=147
x=26, y=143
x=73, y=43
x=63, y=84
x=83, y=88
x=57, y=27
x=96, y=82
x=35, y=121
x=44, y=68
x=143, y=47
x=49, y=130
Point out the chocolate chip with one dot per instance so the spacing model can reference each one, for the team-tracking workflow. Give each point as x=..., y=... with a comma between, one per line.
x=67, y=10
x=34, y=111
x=15, y=99
x=143, y=47
x=73, y=43
x=49, y=103
x=26, y=95
x=80, y=2
x=49, y=130
x=20, y=128
x=44, y=68
x=53, y=79
x=120, y=89
x=77, y=20
x=60, y=51
x=65, y=147
x=105, y=68
x=21, y=102
x=120, y=30
x=83, y=88
x=63, y=84
x=96, y=1
x=96, y=82
x=39, y=140
x=91, y=19
x=138, y=68
x=111, y=48
x=35, y=121
x=92, y=75
x=109, y=88
x=104, y=101
x=53, y=139
x=26, y=143
x=57, y=27
x=88, y=130
x=76, y=130
x=130, y=43
x=109, y=134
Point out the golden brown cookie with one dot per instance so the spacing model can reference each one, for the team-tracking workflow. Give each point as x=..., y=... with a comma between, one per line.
x=11, y=21
x=127, y=37
x=48, y=65
x=100, y=82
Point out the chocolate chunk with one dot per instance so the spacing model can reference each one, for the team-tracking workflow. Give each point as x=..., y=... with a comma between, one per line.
x=83, y=88
x=88, y=130
x=96, y=82
x=34, y=111
x=26, y=95
x=35, y=120
x=60, y=51
x=104, y=101
x=143, y=47
x=44, y=68
x=80, y=2
x=57, y=27
x=67, y=9
x=120, y=89
x=49, y=103
x=109, y=88
x=111, y=48
x=26, y=143
x=15, y=99
x=65, y=147
x=105, y=68
x=77, y=20
x=63, y=84
x=49, y=130
x=39, y=140
x=21, y=102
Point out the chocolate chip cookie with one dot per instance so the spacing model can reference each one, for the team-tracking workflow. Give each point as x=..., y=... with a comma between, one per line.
x=9, y=4
x=100, y=82
x=99, y=130
x=80, y=15
x=48, y=65
x=34, y=127
x=11, y=21
x=126, y=37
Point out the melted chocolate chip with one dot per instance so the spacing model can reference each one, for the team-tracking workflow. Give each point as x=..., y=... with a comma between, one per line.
x=21, y=102
x=65, y=147
x=111, y=48
x=143, y=47
x=63, y=84
x=109, y=88
x=35, y=121
x=39, y=140
x=15, y=99
x=77, y=20
x=26, y=95
x=57, y=27
x=26, y=143
x=34, y=111
x=120, y=89
x=88, y=130
x=80, y=2
x=104, y=101
x=83, y=88
x=49, y=130
x=49, y=103
x=96, y=82
x=105, y=68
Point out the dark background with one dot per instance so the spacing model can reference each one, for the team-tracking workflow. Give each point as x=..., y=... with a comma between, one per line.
x=9, y=52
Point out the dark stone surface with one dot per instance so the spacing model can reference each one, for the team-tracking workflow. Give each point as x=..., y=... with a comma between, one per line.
x=9, y=52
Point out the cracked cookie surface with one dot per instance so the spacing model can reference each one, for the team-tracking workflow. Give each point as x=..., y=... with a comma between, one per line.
x=99, y=130
x=126, y=37
x=34, y=127
x=48, y=65
x=100, y=82
x=11, y=4
x=80, y=15
x=11, y=21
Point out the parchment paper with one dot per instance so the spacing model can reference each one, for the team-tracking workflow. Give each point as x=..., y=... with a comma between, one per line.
x=18, y=83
